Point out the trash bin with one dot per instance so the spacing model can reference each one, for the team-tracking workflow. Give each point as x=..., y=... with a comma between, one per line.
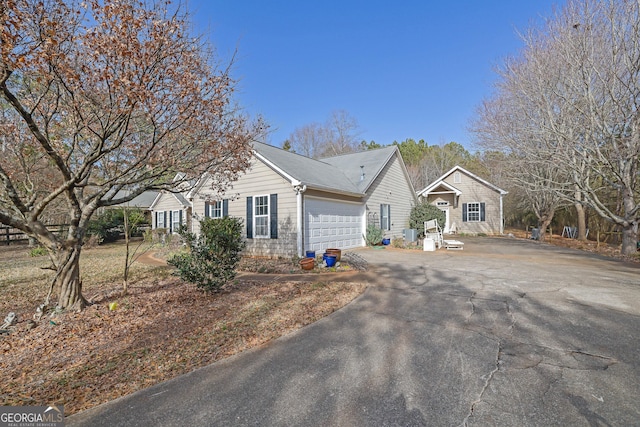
x=535, y=234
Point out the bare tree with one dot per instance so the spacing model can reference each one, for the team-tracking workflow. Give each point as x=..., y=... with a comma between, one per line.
x=309, y=140
x=577, y=87
x=503, y=123
x=343, y=132
x=105, y=96
x=338, y=135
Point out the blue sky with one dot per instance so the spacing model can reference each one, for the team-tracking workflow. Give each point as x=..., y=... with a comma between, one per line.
x=413, y=69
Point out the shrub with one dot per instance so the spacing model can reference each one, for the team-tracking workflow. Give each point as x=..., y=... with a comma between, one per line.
x=212, y=257
x=108, y=226
x=38, y=251
x=374, y=235
x=425, y=211
x=397, y=242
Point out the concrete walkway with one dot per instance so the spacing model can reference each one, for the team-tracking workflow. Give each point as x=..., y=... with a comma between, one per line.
x=506, y=332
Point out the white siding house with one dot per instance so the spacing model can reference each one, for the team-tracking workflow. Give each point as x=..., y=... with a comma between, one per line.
x=290, y=203
x=471, y=204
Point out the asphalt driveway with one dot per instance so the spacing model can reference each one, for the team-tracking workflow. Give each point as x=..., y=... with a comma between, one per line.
x=506, y=332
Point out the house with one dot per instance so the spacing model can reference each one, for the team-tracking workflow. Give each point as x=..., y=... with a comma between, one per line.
x=291, y=203
x=471, y=204
x=142, y=201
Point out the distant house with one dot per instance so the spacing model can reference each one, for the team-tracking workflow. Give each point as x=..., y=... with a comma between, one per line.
x=291, y=203
x=471, y=204
x=142, y=202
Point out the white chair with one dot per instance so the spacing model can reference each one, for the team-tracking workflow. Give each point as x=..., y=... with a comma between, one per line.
x=433, y=231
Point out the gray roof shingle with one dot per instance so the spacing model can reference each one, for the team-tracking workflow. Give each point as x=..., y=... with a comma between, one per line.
x=341, y=173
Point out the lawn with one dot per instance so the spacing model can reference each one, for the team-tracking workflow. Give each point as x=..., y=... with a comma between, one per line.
x=162, y=328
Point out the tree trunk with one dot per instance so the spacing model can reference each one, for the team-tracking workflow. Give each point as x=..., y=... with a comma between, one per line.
x=544, y=223
x=630, y=239
x=581, y=217
x=67, y=280
x=125, y=281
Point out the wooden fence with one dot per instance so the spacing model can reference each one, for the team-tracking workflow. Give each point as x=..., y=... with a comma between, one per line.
x=9, y=235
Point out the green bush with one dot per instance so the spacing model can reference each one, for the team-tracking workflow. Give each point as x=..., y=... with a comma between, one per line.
x=374, y=235
x=38, y=251
x=108, y=226
x=425, y=211
x=212, y=257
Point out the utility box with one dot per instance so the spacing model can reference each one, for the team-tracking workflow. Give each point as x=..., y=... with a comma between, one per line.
x=410, y=235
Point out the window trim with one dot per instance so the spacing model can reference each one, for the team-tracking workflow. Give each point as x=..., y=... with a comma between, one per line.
x=176, y=218
x=160, y=217
x=385, y=216
x=475, y=212
x=267, y=217
x=215, y=209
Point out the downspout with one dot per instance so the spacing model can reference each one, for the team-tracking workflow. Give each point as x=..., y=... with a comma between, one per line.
x=299, y=189
x=501, y=215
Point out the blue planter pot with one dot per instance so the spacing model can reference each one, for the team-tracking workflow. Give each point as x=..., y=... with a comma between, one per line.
x=311, y=254
x=330, y=260
x=386, y=241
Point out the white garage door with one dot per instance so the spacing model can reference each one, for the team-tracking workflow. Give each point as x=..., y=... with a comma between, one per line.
x=330, y=224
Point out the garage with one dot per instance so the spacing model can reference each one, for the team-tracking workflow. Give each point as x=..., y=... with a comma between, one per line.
x=332, y=224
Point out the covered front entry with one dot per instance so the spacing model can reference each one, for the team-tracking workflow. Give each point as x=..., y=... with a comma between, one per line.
x=332, y=224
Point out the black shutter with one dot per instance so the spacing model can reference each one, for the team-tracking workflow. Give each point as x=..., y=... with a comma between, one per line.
x=170, y=221
x=382, y=224
x=225, y=208
x=482, y=214
x=389, y=216
x=249, y=217
x=464, y=212
x=273, y=206
x=180, y=219
x=156, y=224
x=164, y=216
x=206, y=209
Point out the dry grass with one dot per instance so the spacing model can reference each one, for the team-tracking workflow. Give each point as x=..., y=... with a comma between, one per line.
x=161, y=329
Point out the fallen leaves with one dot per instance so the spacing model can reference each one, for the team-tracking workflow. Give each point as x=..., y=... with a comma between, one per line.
x=162, y=328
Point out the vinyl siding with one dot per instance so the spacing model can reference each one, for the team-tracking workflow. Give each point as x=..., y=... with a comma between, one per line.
x=391, y=187
x=474, y=191
x=167, y=202
x=258, y=180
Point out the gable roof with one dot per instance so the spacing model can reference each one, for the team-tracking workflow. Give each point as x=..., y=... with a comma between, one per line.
x=370, y=163
x=440, y=181
x=142, y=201
x=178, y=196
x=339, y=174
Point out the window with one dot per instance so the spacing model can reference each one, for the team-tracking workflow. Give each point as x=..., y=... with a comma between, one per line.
x=160, y=219
x=385, y=217
x=261, y=216
x=457, y=178
x=473, y=212
x=176, y=221
x=215, y=209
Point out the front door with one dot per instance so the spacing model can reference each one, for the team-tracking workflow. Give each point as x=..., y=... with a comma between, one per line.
x=444, y=207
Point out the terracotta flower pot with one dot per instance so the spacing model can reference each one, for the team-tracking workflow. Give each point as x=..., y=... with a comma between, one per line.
x=307, y=263
x=336, y=252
